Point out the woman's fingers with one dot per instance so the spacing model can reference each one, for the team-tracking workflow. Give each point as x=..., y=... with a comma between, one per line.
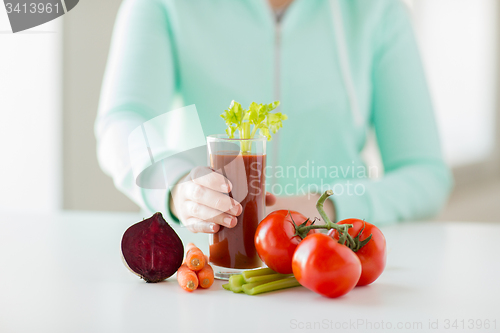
x=270, y=199
x=208, y=214
x=203, y=202
x=208, y=197
x=197, y=225
x=205, y=176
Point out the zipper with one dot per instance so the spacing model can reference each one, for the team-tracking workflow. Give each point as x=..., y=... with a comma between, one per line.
x=344, y=62
x=277, y=90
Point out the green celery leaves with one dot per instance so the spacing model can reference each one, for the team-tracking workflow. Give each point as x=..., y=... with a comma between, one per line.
x=258, y=115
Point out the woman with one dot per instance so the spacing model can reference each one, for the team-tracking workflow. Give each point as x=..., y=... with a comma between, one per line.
x=339, y=68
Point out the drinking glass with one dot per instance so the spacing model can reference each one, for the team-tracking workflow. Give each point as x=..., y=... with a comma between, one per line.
x=243, y=162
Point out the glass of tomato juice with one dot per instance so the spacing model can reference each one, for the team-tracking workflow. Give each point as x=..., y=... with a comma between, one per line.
x=242, y=161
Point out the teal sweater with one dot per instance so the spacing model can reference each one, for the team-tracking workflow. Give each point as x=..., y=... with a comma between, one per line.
x=339, y=68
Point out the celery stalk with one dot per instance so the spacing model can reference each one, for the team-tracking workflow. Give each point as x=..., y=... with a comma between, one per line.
x=245, y=132
x=235, y=283
x=257, y=272
x=226, y=286
x=269, y=277
x=260, y=288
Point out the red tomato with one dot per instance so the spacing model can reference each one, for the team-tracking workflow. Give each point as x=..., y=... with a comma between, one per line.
x=275, y=241
x=373, y=255
x=326, y=267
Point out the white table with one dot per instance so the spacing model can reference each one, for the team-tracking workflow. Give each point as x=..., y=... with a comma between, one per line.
x=64, y=273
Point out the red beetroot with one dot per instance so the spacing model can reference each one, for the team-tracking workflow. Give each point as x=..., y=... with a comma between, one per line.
x=152, y=249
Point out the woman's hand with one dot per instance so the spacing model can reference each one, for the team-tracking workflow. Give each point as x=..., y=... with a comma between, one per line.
x=200, y=202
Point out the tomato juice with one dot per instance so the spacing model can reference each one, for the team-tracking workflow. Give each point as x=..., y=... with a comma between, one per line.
x=234, y=247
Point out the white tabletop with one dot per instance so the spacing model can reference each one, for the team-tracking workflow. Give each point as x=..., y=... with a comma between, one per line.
x=64, y=273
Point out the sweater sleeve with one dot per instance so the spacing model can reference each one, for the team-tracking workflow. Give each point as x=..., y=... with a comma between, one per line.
x=416, y=181
x=139, y=85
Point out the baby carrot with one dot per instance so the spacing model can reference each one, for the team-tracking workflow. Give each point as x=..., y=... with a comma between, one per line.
x=188, y=280
x=195, y=259
x=189, y=246
x=206, y=276
x=206, y=260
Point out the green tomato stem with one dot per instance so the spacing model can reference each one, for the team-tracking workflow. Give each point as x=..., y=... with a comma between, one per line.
x=319, y=207
x=341, y=229
x=303, y=229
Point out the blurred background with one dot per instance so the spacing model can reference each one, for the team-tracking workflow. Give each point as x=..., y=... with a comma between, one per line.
x=50, y=79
